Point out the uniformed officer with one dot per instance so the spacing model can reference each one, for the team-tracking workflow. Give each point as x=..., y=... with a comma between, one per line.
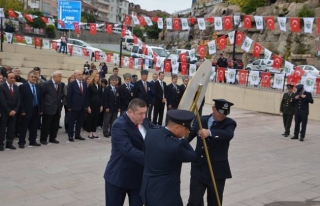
x=218, y=130
x=287, y=109
x=301, y=111
x=165, y=151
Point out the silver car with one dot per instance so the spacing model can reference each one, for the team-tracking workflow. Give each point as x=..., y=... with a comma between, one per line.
x=310, y=69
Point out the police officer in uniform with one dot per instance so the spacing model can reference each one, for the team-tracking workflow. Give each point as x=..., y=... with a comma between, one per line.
x=218, y=131
x=165, y=151
x=287, y=109
x=301, y=111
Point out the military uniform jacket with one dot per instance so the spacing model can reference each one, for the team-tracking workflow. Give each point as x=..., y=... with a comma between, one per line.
x=287, y=103
x=164, y=155
x=218, y=146
x=302, y=104
x=173, y=96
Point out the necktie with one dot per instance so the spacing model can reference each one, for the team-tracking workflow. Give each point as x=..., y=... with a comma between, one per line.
x=213, y=123
x=80, y=87
x=137, y=126
x=145, y=86
x=161, y=84
x=35, y=100
x=128, y=86
x=114, y=90
x=11, y=90
x=175, y=87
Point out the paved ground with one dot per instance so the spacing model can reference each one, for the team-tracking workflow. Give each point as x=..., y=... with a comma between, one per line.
x=267, y=168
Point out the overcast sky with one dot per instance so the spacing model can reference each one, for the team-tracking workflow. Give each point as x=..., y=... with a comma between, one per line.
x=169, y=6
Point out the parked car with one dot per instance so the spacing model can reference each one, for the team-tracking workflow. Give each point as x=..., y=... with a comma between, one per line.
x=127, y=43
x=310, y=69
x=79, y=44
x=262, y=65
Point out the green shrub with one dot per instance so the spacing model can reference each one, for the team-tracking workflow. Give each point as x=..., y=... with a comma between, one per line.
x=305, y=12
x=188, y=45
x=252, y=5
x=50, y=31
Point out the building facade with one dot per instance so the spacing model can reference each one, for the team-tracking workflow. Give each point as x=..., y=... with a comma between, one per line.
x=110, y=11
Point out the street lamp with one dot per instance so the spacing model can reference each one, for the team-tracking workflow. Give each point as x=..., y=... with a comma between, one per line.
x=236, y=26
x=122, y=22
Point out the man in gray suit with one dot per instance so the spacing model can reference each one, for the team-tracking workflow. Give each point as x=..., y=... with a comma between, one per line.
x=52, y=95
x=10, y=103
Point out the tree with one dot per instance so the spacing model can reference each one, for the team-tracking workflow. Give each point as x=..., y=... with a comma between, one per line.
x=138, y=32
x=86, y=17
x=248, y=6
x=37, y=22
x=15, y=5
x=153, y=31
x=50, y=31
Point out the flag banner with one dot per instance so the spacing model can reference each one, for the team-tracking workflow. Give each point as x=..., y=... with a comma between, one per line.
x=256, y=50
x=318, y=86
x=212, y=47
x=270, y=22
x=237, y=21
x=308, y=22
x=148, y=20
x=227, y=23
x=231, y=76
x=176, y=24
x=183, y=57
x=295, y=24
x=46, y=43
x=167, y=66
x=192, y=69
x=146, y=64
x=135, y=19
x=169, y=23
x=184, y=24
x=267, y=55
x=1, y=13
x=217, y=23
x=278, y=81
x=282, y=23
x=212, y=73
x=308, y=81
x=201, y=24
x=126, y=61
x=265, y=79
x=259, y=22
x=136, y=63
x=192, y=54
x=221, y=74
x=242, y=76
x=277, y=62
x=254, y=78
x=288, y=68
x=247, y=44
x=247, y=20
x=108, y=57
x=160, y=23
x=131, y=62
x=9, y=37
x=184, y=69
x=239, y=38
x=175, y=66
x=115, y=58
x=231, y=37
x=222, y=43
x=28, y=40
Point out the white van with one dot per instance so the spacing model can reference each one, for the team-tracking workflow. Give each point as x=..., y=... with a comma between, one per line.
x=127, y=43
x=136, y=52
x=116, y=30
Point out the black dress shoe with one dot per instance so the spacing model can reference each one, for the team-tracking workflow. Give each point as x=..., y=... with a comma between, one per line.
x=71, y=139
x=35, y=144
x=301, y=139
x=80, y=138
x=285, y=135
x=92, y=137
x=54, y=141
x=106, y=135
x=21, y=146
x=44, y=142
x=294, y=137
x=97, y=137
x=60, y=127
x=10, y=147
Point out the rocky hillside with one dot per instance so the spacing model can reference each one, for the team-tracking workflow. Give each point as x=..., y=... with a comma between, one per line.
x=295, y=47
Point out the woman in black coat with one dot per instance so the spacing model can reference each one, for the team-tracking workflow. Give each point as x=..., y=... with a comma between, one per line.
x=94, y=99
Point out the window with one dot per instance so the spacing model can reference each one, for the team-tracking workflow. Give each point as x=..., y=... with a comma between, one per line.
x=111, y=9
x=46, y=7
x=53, y=9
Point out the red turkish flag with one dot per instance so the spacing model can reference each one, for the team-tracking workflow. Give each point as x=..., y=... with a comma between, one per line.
x=127, y=20
x=176, y=24
x=291, y=80
x=221, y=74
x=97, y=55
x=144, y=49
x=44, y=19
x=19, y=38
x=222, y=42
x=167, y=66
x=256, y=50
x=242, y=76
x=155, y=58
x=85, y=52
x=109, y=57
x=247, y=20
x=202, y=51
x=239, y=38
x=318, y=86
x=277, y=62
x=123, y=31
x=11, y=13
x=227, y=22
x=122, y=60
x=192, y=20
x=70, y=49
x=61, y=23
x=37, y=41
x=183, y=57
x=265, y=79
x=295, y=24
x=184, y=68
x=135, y=39
x=131, y=62
x=142, y=20
x=54, y=45
x=318, y=25
x=76, y=27
x=210, y=19
x=109, y=28
x=28, y=17
x=154, y=19
x=270, y=22
x=297, y=74
x=93, y=28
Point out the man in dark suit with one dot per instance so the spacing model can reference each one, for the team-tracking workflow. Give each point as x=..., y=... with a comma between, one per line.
x=142, y=89
x=124, y=170
x=165, y=151
x=301, y=111
x=173, y=93
x=218, y=130
x=287, y=109
x=154, y=79
x=159, y=99
x=10, y=104
x=77, y=105
x=126, y=93
x=115, y=72
x=111, y=105
x=52, y=95
x=183, y=86
x=30, y=109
